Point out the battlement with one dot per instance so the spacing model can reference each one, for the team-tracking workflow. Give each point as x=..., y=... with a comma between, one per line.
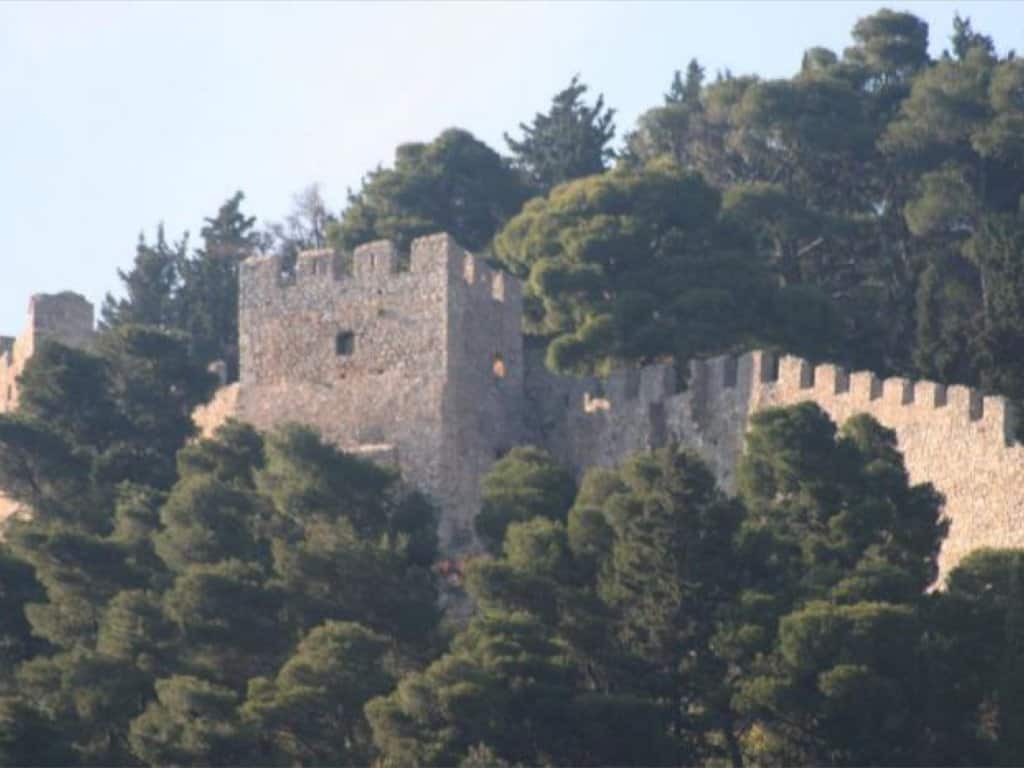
x=898, y=398
x=953, y=436
x=650, y=384
x=375, y=264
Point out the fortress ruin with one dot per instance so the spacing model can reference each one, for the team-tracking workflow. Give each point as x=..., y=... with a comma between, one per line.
x=418, y=360
x=64, y=317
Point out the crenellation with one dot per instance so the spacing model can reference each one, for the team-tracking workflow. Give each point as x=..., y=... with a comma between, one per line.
x=795, y=372
x=721, y=371
x=426, y=368
x=831, y=380
x=469, y=269
x=1000, y=416
x=929, y=394
x=759, y=366
x=321, y=264
x=262, y=273
x=375, y=261
x=897, y=391
x=657, y=382
x=433, y=253
x=965, y=402
x=498, y=289
x=63, y=317
x=865, y=388
x=729, y=371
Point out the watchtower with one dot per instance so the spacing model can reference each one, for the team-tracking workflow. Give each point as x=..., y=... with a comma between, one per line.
x=417, y=360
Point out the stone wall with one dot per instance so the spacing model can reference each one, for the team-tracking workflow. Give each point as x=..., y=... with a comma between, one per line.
x=950, y=436
x=483, y=411
x=65, y=317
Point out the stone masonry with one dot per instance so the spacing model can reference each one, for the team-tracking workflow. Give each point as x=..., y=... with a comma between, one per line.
x=418, y=361
x=421, y=363
x=950, y=436
x=65, y=317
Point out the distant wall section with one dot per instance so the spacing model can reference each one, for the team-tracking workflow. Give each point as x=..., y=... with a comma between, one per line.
x=950, y=436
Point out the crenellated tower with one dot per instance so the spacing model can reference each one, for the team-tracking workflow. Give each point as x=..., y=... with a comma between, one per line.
x=416, y=360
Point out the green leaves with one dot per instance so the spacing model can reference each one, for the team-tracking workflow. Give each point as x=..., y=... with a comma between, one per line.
x=505, y=683
x=632, y=267
x=277, y=587
x=191, y=722
x=311, y=712
x=841, y=549
x=454, y=184
x=567, y=142
x=526, y=483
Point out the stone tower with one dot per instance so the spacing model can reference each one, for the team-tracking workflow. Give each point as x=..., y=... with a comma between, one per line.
x=65, y=317
x=416, y=361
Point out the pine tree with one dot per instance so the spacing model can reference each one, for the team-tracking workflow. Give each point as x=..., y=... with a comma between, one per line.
x=208, y=297
x=567, y=142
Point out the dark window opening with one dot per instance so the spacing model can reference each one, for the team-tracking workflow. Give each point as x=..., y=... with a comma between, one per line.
x=344, y=343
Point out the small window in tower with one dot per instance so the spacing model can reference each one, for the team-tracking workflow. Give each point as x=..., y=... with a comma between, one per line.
x=498, y=368
x=344, y=343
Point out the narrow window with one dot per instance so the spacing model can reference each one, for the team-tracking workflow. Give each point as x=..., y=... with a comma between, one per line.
x=344, y=344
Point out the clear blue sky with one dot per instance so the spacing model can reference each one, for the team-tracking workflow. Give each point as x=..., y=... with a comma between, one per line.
x=116, y=116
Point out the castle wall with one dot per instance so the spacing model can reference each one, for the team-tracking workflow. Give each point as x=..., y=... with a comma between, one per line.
x=950, y=436
x=483, y=406
x=65, y=317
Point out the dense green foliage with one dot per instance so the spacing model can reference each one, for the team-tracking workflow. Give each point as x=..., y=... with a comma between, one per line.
x=636, y=265
x=887, y=182
x=454, y=184
x=227, y=601
x=196, y=293
x=568, y=142
x=657, y=621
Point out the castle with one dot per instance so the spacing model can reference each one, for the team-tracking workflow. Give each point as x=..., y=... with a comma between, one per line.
x=418, y=360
